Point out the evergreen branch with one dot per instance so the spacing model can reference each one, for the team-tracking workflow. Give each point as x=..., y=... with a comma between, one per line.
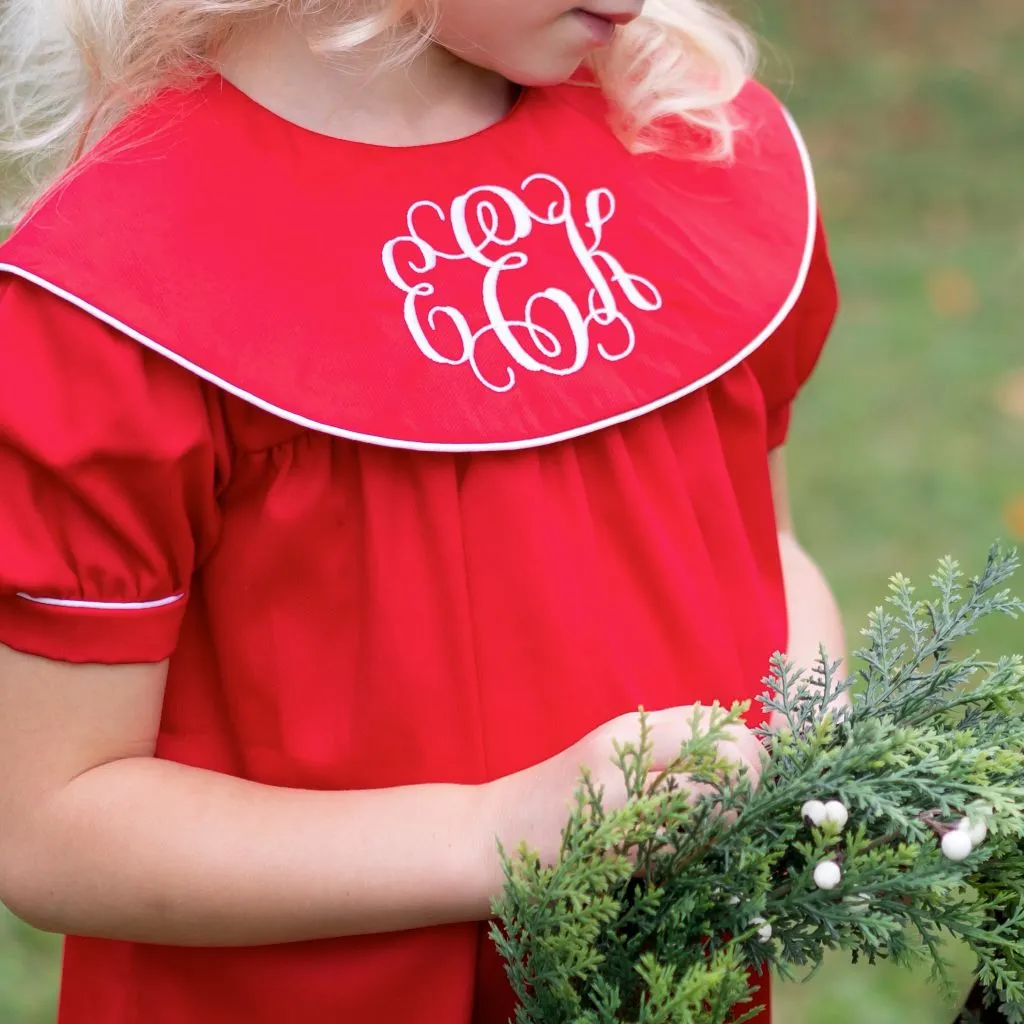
x=654, y=912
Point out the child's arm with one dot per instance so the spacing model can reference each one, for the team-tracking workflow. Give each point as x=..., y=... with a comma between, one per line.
x=814, y=617
x=97, y=837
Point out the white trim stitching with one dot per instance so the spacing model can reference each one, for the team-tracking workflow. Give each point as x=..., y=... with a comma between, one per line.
x=110, y=606
x=532, y=442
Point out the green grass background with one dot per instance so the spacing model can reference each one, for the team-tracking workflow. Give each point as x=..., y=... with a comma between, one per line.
x=907, y=445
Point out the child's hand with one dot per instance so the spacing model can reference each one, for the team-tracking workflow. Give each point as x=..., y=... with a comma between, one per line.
x=533, y=805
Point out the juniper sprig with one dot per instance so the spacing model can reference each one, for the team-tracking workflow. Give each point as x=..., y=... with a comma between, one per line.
x=882, y=829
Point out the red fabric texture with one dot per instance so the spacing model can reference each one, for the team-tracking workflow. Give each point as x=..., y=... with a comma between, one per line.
x=787, y=362
x=108, y=468
x=532, y=281
x=357, y=615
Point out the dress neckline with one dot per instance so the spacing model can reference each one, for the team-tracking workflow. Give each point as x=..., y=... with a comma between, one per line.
x=276, y=123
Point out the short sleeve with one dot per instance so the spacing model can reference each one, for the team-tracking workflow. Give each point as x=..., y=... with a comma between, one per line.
x=786, y=361
x=107, y=486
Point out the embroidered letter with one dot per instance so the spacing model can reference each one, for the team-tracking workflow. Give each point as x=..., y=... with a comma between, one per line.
x=488, y=226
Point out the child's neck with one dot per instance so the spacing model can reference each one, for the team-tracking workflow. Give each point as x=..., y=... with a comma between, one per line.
x=434, y=98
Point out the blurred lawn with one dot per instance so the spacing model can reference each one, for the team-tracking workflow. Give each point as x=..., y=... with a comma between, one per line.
x=909, y=443
x=910, y=440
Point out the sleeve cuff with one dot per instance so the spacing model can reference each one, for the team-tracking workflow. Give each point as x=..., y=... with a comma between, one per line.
x=86, y=633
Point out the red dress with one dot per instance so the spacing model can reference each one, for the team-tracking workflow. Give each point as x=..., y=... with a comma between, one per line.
x=418, y=464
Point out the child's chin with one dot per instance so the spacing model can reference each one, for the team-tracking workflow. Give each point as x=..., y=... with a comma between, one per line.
x=540, y=74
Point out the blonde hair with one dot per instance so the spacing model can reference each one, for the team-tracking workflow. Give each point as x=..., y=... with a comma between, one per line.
x=71, y=69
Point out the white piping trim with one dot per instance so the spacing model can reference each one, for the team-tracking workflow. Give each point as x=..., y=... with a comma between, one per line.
x=533, y=442
x=108, y=606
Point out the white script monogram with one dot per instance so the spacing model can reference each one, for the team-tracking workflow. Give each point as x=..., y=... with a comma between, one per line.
x=485, y=226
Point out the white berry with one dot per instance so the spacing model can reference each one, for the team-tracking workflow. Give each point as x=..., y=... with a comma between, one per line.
x=827, y=875
x=836, y=812
x=764, y=931
x=977, y=830
x=813, y=811
x=957, y=845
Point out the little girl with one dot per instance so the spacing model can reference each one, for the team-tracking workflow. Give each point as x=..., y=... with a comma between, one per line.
x=392, y=400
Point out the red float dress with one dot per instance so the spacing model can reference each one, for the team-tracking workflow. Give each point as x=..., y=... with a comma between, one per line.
x=418, y=464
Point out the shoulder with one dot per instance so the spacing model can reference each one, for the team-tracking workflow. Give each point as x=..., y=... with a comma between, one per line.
x=161, y=161
x=762, y=200
x=66, y=367
x=766, y=129
x=767, y=186
x=761, y=118
x=124, y=229
x=756, y=99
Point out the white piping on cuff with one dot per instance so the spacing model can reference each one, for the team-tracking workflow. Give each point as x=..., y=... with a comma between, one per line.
x=108, y=606
x=486, y=446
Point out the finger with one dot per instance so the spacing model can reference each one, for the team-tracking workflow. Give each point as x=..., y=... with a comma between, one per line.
x=750, y=763
x=695, y=791
x=750, y=747
x=669, y=730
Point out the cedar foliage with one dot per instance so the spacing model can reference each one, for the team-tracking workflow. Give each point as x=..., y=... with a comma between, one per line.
x=655, y=913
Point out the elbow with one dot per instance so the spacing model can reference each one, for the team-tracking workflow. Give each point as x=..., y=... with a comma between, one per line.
x=25, y=888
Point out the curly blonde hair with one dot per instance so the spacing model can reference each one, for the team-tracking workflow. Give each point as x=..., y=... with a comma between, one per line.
x=71, y=69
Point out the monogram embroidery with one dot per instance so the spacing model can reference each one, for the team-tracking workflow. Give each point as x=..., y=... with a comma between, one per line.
x=545, y=331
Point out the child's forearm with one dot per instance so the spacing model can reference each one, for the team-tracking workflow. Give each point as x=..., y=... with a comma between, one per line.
x=814, y=617
x=152, y=851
